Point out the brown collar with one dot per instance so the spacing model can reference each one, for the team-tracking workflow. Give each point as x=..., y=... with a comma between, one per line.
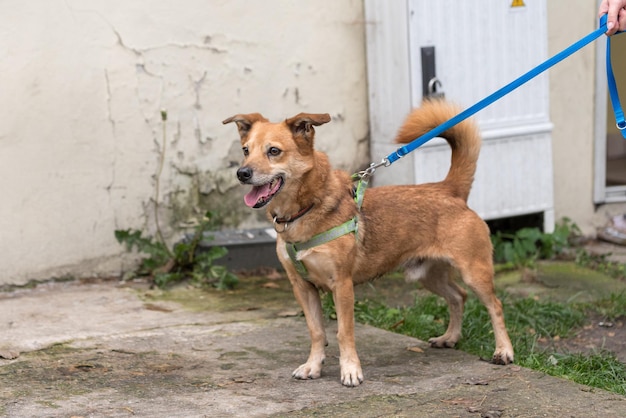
x=294, y=217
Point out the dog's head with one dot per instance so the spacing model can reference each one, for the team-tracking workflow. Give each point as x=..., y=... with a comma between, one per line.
x=275, y=153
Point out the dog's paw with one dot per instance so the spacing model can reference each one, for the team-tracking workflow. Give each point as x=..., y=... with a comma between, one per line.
x=351, y=374
x=502, y=357
x=308, y=370
x=442, y=342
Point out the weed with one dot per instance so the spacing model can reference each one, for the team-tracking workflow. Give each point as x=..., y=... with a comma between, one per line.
x=524, y=247
x=527, y=320
x=601, y=263
x=183, y=261
x=611, y=308
x=156, y=250
x=168, y=266
x=601, y=369
x=421, y=320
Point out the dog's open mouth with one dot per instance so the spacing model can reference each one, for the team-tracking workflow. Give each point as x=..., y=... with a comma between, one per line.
x=259, y=196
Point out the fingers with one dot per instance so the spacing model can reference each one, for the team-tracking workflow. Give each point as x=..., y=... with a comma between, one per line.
x=622, y=19
x=616, y=15
x=604, y=8
x=616, y=24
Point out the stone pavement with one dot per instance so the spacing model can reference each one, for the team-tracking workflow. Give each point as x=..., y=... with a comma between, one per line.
x=103, y=349
x=613, y=252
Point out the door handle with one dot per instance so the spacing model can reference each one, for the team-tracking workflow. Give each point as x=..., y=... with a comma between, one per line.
x=431, y=85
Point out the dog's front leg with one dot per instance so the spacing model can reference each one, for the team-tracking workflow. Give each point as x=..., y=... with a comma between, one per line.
x=309, y=299
x=343, y=294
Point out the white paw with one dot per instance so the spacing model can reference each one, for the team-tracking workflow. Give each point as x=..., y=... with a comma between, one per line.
x=309, y=370
x=442, y=342
x=504, y=356
x=351, y=374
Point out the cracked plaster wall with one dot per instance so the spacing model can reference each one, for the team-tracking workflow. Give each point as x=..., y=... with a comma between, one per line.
x=83, y=83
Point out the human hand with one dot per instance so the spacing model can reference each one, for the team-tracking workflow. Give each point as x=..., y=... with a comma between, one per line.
x=616, y=19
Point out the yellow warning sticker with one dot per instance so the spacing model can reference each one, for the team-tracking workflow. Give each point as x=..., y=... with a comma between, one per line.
x=518, y=3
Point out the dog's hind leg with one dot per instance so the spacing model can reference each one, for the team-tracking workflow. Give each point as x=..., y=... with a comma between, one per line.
x=438, y=277
x=478, y=275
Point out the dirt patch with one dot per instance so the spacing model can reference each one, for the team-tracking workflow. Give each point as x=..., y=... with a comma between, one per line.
x=596, y=336
x=63, y=371
x=567, y=282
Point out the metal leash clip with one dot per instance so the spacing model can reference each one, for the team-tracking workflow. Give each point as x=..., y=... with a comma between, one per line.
x=369, y=171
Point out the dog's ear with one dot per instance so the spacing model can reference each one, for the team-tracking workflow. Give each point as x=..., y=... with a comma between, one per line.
x=302, y=124
x=245, y=122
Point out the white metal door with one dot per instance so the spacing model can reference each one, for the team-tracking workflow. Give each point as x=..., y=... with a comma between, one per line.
x=480, y=45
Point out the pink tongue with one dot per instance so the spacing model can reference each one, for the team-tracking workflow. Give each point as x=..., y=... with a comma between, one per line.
x=257, y=192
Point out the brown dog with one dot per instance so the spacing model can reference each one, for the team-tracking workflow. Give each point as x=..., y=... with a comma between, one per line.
x=428, y=229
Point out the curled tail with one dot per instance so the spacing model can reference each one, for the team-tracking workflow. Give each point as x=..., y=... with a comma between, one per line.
x=463, y=138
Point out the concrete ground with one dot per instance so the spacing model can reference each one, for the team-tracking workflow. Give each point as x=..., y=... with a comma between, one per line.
x=616, y=253
x=106, y=349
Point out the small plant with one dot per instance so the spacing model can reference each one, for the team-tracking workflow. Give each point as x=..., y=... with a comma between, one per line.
x=158, y=253
x=519, y=249
x=422, y=320
x=168, y=266
x=523, y=248
x=600, y=369
x=601, y=263
x=183, y=261
x=612, y=307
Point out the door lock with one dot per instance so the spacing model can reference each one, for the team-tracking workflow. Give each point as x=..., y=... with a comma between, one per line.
x=434, y=89
x=431, y=85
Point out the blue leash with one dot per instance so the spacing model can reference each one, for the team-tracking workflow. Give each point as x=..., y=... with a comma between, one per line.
x=363, y=176
x=619, y=114
x=617, y=106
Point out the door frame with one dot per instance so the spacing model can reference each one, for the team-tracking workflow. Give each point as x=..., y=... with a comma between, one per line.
x=601, y=192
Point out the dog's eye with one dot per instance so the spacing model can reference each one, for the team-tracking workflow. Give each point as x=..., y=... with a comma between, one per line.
x=273, y=151
x=245, y=151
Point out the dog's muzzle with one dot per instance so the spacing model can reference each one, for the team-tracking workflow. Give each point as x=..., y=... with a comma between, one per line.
x=244, y=174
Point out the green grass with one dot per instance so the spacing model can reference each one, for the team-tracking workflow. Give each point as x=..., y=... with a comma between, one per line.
x=612, y=307
x=601, y=370
x=527, y=321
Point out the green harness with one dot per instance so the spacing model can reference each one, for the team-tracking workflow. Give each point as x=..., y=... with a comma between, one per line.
x=345, y=228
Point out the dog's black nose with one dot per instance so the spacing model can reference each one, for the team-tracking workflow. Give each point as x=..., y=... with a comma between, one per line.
x=244, y=174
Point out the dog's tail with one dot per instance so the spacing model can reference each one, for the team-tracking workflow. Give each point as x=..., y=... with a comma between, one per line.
x=464, y=139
